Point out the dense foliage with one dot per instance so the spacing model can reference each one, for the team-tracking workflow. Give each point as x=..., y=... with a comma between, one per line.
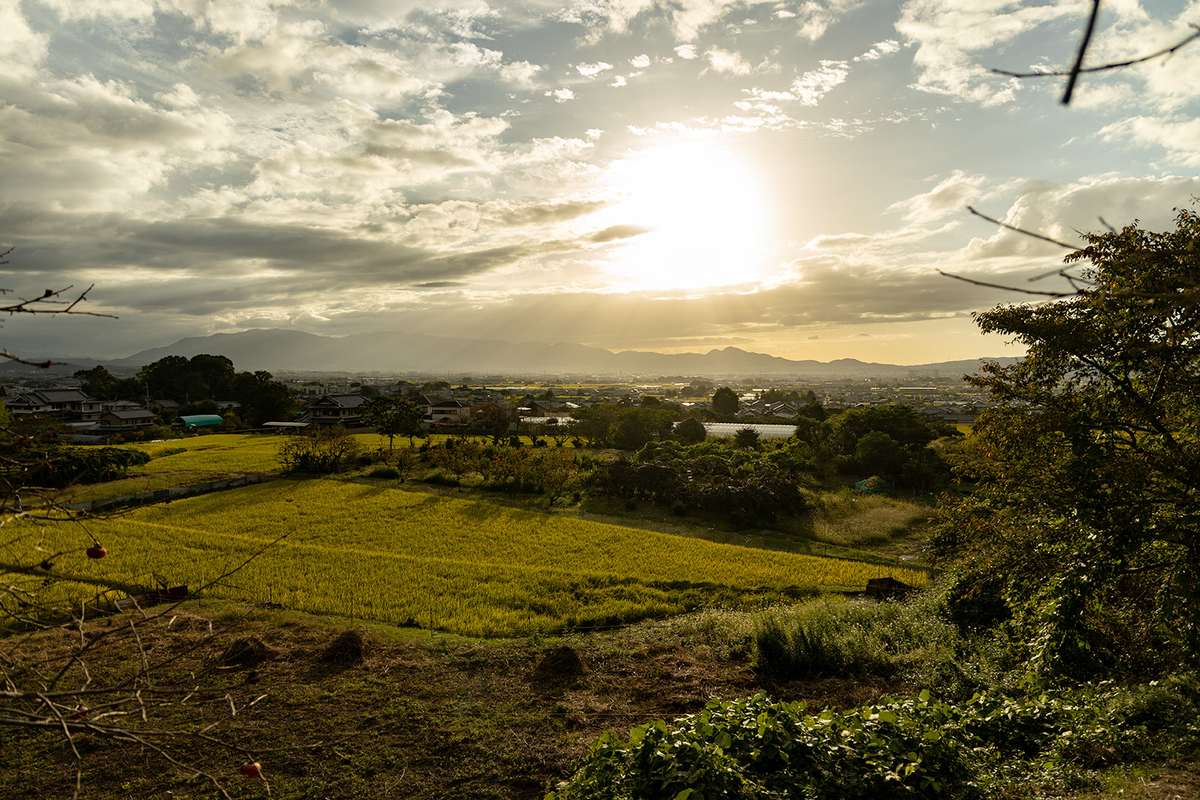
x=58, y=467
x=321, y=450
x=1084, y=527
x=908, y=747
x=196, y=383
x=741, y=484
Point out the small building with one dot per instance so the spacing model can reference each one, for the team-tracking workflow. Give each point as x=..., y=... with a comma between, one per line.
x=888, y=589
x=198, y=421
x=125, y=421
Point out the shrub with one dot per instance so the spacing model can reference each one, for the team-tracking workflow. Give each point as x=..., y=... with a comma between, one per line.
x=323, y=450
x=390, y=473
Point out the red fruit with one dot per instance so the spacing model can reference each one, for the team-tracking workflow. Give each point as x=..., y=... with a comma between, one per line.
x=250, y=769
x=96, y=551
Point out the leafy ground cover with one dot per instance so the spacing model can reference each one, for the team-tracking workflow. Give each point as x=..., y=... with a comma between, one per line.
x=377, y=553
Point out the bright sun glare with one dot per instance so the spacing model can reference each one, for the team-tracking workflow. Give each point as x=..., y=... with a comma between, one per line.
x=706, y=213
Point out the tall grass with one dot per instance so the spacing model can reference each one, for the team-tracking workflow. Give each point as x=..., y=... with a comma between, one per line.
x=853, y=519
x=912, y=642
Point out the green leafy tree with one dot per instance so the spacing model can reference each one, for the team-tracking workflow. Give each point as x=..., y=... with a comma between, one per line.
x=263, y=398
x=392, y=416
x=691, y=431
x=724, y=402
x=323, y=450
x=495, y=419
x=97, y=382
x=879, y=454
x=746, y=439
x=1086, y=524
x=595, y=425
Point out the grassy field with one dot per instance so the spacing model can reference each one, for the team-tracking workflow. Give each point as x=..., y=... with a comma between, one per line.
x=379, y=553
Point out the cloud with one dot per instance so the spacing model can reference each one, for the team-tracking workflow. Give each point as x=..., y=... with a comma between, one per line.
x=561, y=95
x=21, y=48
x=687, y=52
x=950, y=196
x=949, y=33
x=618, y=232
x=727, y=61
x=879, y=50
x=1178, y=135
x=592, y=70
x=810, y=87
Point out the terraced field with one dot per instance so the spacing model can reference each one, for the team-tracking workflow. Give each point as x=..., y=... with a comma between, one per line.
x=384, y=554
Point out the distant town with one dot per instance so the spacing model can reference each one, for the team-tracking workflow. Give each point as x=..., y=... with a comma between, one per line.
x=93, y=408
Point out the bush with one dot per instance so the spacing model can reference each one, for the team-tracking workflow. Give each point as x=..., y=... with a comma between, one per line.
x=390, y=473
x=324, y=450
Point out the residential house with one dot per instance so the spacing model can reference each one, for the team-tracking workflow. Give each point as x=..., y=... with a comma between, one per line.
x=69, y=404
x=124, y=421
x=443, y=410
x=336, y=409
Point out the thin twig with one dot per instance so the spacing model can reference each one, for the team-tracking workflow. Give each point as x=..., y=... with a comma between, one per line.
x=1022, y=231
x=1007, y=288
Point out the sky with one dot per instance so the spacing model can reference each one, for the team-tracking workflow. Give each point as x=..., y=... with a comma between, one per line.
x=788, y=177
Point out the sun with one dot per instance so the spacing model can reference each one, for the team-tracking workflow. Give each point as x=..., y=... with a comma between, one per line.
x=705, y=215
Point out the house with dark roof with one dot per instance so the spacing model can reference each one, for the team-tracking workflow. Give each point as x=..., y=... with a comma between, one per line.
x=336, y=409
x=124, y=421
x=443, y=410
x=69, y=404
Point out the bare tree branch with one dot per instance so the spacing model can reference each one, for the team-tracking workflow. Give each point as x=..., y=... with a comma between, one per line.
x=1083, y=46
x=1022, y=231
x=1078, y=69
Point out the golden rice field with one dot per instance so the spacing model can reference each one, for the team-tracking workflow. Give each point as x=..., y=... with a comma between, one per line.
x=229, y=452
x=384, y=554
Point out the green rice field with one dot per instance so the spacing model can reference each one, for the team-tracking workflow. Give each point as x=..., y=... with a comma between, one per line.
x=388, y=555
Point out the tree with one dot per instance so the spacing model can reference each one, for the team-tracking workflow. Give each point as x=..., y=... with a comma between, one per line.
x=496, y=419
x=596, y=424
x=879, y=454
x=1086, y=524
x=97, y=382
x=725, y=402
x=263, y=398
x=392, y=416
x=691, y=431
x=746, y=438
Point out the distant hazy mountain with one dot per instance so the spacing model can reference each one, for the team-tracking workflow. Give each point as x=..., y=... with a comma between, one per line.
x=395, y=352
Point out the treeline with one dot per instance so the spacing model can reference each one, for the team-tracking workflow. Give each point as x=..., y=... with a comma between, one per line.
x=197, y=384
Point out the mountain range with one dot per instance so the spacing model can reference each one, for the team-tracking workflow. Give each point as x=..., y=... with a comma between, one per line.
x=282, y=351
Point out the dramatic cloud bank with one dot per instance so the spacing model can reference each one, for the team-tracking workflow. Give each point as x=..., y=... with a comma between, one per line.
x=790, y=176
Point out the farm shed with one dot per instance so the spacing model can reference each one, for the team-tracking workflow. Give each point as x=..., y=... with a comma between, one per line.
x=888, y=588
x=199, y=421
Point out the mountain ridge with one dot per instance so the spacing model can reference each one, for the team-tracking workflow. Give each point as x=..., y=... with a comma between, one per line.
x=279, y=350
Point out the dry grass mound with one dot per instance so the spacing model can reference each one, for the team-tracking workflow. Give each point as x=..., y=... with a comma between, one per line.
x=347, y=649
x=561, y=662
x=247, y=651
